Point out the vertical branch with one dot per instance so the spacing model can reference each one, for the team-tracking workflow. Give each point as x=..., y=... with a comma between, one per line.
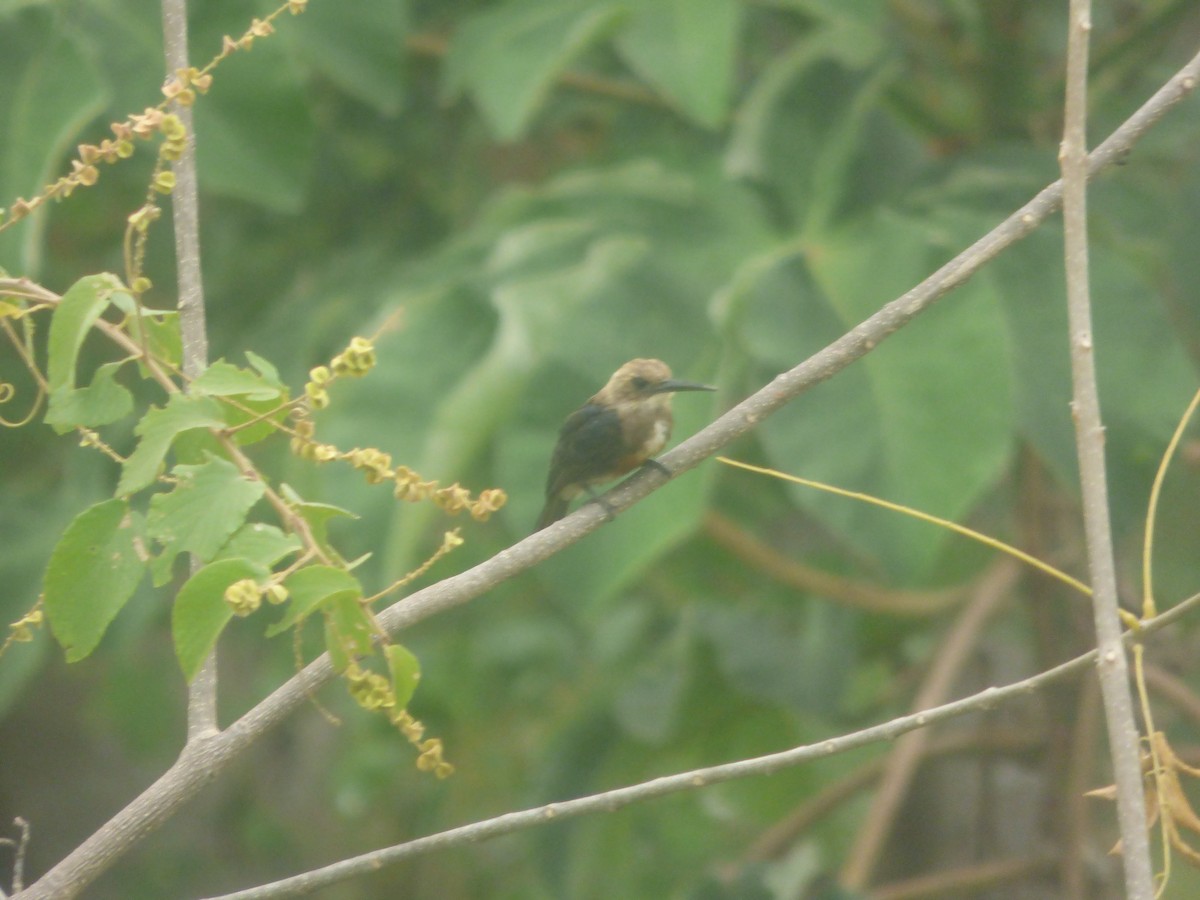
x=202, y=696
x=1089, y=440
x=909, y=750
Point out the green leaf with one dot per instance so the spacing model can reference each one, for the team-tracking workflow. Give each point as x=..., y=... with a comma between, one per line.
x=259, y=392
x=260, y=543
x=158, y=430
x=317, y=515
x=926, y=420
x=309, y=588
x=347, y=630
x=73, y=318
x=222, y=379
x=265, y=368
x=201, y=613
x=51, y=92
x=362, y=53
x=509, y=57
x=649, y=704
x=162, y=336
x=208, y=504
x=686, y=48
x=258, y=133
x=93, y=571
x=102, y=402
x=406, y=672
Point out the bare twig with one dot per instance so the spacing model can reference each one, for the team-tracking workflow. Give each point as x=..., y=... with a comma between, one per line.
x=848, y=591
x=1089, y=441
x=200, y=763
x=967, y=881
x=670, y=784
x=777, y=839
x=202, y=693
x=908, y=751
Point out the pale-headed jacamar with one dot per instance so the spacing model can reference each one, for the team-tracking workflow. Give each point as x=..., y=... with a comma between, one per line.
x=621, y=427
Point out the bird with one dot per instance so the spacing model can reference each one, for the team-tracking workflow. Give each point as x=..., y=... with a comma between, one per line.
x=623, y=426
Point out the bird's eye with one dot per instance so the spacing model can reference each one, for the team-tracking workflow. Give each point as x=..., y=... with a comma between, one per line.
x=640, y=383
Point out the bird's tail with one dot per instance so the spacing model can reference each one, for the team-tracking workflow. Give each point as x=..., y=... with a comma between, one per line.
x=555, y=509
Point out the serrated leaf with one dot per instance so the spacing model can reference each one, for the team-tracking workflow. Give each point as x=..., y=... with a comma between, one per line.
x=162, y=337
x=260, y=543
x=509, y=56
x=73, y=318
x=686, y=48
x=347, y=631
x=223, y=379
x=158, y=430
x=102, y=402
x=208, y=504
x=406, y=672
x=317, y=515
x=93, y=571
x=201, y=613
x=264, y=367
x=309, y=588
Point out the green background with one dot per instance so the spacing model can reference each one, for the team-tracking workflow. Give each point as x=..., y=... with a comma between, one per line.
x=545, y=189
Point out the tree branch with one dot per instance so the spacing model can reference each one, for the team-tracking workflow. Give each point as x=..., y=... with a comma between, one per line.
x=1089, y=441
x=609, y=801
x=202, y=693
x=908, y=752
x=200, y=763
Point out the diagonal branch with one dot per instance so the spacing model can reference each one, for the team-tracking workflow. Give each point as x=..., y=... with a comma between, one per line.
x=682, y=781
x=201, y=762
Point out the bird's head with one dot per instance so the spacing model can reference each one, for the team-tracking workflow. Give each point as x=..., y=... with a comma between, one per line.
x=639, y=379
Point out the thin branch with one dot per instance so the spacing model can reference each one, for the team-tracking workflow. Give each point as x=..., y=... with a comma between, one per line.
x=202, y=693
x=1089, y=442
x=967, y=881
x=906, y=755
x=609, y=801
x=780, y=837
x=838, y=588
x=200, y=763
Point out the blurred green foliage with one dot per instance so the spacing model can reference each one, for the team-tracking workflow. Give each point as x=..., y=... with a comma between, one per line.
x=544, y=189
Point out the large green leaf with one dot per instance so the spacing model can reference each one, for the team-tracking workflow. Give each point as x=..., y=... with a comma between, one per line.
x=926, y=419
x=360, y=50
x=92, y=572
x=687, y=49
x=509, y=56
x=51, y=90
x=255, y=137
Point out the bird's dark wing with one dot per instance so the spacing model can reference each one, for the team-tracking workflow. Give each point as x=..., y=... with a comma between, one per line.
x=590, y=446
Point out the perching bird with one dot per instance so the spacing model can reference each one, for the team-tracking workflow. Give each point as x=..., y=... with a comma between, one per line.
x=624, y=425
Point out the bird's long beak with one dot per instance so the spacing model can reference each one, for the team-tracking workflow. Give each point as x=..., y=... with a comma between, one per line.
x=672, y=385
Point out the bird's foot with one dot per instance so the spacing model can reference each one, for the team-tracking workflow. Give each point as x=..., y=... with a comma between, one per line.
x=610, y=514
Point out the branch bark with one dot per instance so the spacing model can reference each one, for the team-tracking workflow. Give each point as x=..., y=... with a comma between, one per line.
x=200, y=762
x=185, y=215
x=1089, y=441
